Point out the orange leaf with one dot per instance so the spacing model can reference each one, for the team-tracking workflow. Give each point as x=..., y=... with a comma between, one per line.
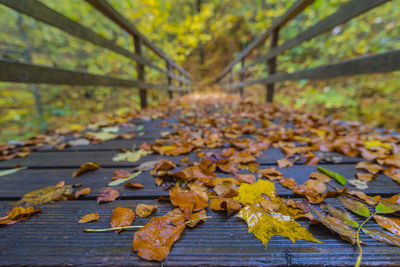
x=86, y=167
x=193, y=200
x=145, y=210
x=122, y=217
x=82, y=192
x=107, y=194
x=18, y=214
x=391, y=224
x=89, y=218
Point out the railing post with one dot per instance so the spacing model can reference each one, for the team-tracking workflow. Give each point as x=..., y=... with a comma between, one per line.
x=140, y=72
x=169, y=69
x=242, y=77
x=271, y=63
x=230, y=80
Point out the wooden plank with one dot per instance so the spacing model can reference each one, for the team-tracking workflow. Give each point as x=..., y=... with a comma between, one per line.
x=12, y=71
x=291, y=13
x=14, y=186
x=376, y=63
x=41, y=12
x=346, y=12
x=109, y=11
x=54, y=237
x=73, y=159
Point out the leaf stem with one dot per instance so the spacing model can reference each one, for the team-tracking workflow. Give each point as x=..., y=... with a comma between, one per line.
x=359, y=258
x=135, y=226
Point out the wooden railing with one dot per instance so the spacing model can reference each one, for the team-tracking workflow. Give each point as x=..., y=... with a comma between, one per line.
x=383, y=62
x=12, y=71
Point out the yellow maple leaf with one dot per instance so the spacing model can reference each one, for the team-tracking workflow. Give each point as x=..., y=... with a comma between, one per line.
x=253, y=193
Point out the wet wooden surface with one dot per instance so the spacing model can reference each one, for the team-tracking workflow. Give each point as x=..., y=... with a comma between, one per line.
x=54, y=236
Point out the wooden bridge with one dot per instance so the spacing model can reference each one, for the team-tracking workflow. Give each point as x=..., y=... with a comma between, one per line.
x=54, y=237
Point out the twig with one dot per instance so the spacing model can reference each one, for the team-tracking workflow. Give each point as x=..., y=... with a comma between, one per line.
x=359, y=258
x=135, y=226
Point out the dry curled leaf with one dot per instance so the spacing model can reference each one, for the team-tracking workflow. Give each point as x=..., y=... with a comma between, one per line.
x=107, y=194
x=134, y=185
x=163, y=165
x=284, y=163
x=18, y=214
x=122, y=217
x=230, y=205
x=265, y=225
x=86, y=167
x=56, y=192
x=155, y=239
x=369, y=166
x=89, y=218
x=145, y=210
x=194, y=199
x=82, y=192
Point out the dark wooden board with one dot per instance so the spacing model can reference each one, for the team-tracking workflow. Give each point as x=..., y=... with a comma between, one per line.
x=74, y=159
x=55, y=238
x=15, y=185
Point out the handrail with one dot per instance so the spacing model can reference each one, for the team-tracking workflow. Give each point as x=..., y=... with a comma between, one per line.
x=30, y=73
x=104, y=7
x=19, y=72
x=376, y=63
x=291, y=13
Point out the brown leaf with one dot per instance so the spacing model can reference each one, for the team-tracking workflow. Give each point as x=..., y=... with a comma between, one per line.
x=230, y=205
x=86, y=167
x=369, y=166
x=361, y=195
x=145, y=210
x=337, y=226
x=283, y=163
x=393, y=173
x=365, y=177
x=354, y=206
x=391, y=161
x=82, y=192
x=56, y=192
x=120, y=174
x=89, y=218
x=382, y=236
x=247, y=178
x=197, y=215
x=107, y=194
x=163, y=165
x=288, y=182
x=391, y=224
x=155, y=239
x=318, y=185
x=194, y=199
x=134, y=185
x=320, y=176
x=226, y=189
x=243, y=157
x=340, y=214
x=122, y=217
x=270, y=173
x=18, y=214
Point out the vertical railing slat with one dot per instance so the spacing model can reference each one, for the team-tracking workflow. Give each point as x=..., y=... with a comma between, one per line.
x=140, y=72
x=271, y=63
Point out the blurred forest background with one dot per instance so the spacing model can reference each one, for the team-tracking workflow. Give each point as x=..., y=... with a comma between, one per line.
x=203, y=36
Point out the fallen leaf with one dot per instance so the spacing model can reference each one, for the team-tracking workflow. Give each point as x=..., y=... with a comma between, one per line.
x=365, y=177
x=288, y=182
x=247, y=178
x=270, y=173
x=86, y=167
x=253, y=193
x=18, y=214
x=264, y=225
x=320, y=176
x=146, y=166
x=337, y=226
x=56, y=192
x=318, y=185
x=134, y=185
x=131, y=156
x=361, y=185
x=391, y=161
x=393, y=173
x=155, y=239
x=338, y=177
x=382, y=236
x=340, y=214
x=82, y=192
x=354, y=206
x=283, y=163
x=369, y=166
x=122, y=217
x=361, y=195
x=123, y=180
x=89, y=218
x=102, y=136
x=194, y=199
x=163, y=165
x=119, y=174
x=145, y=210
x=197, y=215
x=388, y=205
x=107, y=195
x=10, y=171
x=227, y=204
x=226, y=189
